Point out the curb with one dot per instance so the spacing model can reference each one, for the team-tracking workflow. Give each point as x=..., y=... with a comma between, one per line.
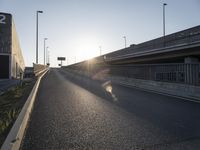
x=15, y=136
x=196, y=100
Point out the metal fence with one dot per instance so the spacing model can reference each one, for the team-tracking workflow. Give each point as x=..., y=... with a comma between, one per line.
x=177, y=73
x=173, y=73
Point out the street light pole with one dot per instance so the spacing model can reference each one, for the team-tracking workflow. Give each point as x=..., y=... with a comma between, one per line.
x=164, y=4
x=47, y=55
x=100, y=50
x=124, y=40
x=44, y=48
x=67, y=61
x=37, y=35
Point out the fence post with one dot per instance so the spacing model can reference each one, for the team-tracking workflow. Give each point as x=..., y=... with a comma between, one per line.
x=191, y=70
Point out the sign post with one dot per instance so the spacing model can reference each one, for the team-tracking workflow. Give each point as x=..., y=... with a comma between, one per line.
x=61, y=59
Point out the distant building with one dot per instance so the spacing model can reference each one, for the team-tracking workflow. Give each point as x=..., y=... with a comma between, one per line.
x=29, y=72
x=11, y=58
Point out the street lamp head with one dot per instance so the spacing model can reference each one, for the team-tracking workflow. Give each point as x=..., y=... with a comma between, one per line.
x=164, y=4
x=47, y=48
x=39, y=11
x=45, y=38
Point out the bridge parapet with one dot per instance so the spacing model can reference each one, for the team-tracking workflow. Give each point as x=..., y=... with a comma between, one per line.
x=181, y=38
x=184, y=73
x=38, y=69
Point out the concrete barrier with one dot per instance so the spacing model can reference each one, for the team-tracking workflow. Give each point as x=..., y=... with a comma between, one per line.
x=184, y=91
x=38, y=69
x=16, y=133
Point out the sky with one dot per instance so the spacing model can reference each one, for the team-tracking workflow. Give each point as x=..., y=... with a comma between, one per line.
x=76, y=29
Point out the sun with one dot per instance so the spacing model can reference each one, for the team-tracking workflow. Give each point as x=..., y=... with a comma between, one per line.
x=88, y=47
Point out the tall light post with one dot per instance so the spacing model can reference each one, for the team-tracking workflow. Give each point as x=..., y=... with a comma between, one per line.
x=67, y=61
x=37, y=35
x=45, y=48
x=47, y=55
x=124, y=40
x=100, y=50
x=164, y=4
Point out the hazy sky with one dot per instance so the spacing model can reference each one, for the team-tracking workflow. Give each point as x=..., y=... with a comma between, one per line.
x=76, y=28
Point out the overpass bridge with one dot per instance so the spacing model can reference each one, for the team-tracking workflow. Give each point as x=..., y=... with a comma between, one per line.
x=173, y=48
x=166, y=64
x=173, y=58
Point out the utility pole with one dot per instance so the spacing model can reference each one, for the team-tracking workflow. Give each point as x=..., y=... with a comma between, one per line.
x=44, y=49
x=124, y=40
x=100, y=50
x=164, y=4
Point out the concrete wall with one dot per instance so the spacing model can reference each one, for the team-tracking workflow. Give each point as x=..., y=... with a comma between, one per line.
x=5, y=33
x=181, y=90
x=18, y=64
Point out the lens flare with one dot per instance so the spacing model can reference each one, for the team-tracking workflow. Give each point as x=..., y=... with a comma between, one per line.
x=108, y=87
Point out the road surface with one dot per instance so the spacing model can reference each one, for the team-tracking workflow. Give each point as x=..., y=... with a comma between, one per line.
x=74, y=112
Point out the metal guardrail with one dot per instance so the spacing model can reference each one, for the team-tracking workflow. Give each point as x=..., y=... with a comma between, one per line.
x=173, y=73
x=177, y=73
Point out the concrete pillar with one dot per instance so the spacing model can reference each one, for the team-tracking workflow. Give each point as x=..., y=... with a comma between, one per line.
x=191, y=70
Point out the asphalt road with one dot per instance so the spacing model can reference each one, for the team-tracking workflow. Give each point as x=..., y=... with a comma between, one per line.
x=73, y=112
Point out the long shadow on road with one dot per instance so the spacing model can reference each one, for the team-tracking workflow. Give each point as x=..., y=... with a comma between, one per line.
x=180, y=118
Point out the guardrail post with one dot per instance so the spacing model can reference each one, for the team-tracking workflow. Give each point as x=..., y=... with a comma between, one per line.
x=191, y=70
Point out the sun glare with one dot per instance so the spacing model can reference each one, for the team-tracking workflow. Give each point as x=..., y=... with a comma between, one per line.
x=88, y=48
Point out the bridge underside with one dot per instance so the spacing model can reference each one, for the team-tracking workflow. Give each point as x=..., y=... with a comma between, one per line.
x=168, y=56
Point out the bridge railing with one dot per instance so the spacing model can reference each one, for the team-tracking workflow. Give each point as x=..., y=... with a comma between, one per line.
x=174, y=73
x=180, y=38
x=177, y=73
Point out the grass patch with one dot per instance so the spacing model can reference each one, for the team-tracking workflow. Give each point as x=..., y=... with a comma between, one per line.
x=11, y=103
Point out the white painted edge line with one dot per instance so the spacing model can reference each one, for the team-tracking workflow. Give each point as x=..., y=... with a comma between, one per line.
x=15, y=136
x=157, y=92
